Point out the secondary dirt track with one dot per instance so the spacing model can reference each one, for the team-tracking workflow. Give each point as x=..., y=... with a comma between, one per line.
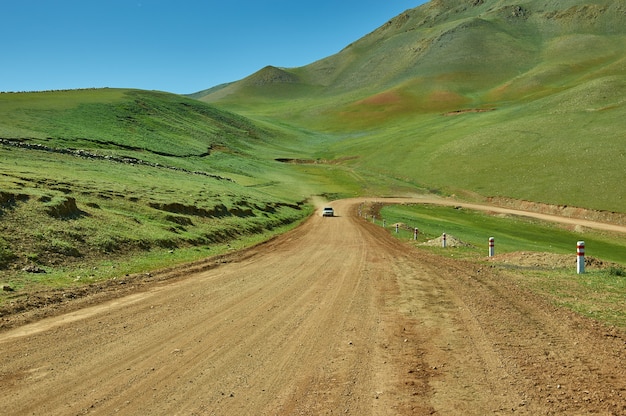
x=335, y=317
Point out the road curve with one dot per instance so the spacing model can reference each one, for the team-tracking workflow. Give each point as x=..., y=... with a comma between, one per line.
x=597, y=225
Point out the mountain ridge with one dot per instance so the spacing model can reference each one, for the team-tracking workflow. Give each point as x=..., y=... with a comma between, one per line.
x=479, y=46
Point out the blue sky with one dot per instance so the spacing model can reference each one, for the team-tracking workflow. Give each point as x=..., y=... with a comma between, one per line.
x=180, y=46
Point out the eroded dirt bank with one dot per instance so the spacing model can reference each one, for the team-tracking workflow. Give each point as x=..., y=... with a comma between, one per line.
x=335, y=317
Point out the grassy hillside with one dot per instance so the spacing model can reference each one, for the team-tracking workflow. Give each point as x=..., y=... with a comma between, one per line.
x=520, y=99
x=95, y=180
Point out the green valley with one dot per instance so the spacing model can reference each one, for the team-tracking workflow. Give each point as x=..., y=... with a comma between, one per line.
x=479, y=100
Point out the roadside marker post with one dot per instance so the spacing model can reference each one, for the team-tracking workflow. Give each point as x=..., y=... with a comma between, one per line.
x=415, y=233
x=491, y=246
x=443, y=240
x=384, y=222
x=580, y=257
x=396, y=228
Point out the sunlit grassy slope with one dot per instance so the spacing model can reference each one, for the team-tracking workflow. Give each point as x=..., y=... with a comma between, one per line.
x=523, y=99
x=91, y=175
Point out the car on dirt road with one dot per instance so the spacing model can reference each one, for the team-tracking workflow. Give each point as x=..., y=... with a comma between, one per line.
x=328, y=212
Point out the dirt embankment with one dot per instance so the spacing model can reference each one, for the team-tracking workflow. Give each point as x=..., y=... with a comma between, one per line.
x=560, y=210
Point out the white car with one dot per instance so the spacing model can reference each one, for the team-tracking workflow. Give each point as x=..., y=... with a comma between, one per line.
x=328, y=212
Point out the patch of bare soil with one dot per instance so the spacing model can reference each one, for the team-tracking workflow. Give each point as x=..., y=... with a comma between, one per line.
x=334, y=317
x=541, y=260
x=468, y=110
x=560, y=210
x=451, y=241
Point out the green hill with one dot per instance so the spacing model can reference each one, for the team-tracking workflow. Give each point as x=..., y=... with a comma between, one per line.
x=113, y=176
x=450, y=54
x=518, y=99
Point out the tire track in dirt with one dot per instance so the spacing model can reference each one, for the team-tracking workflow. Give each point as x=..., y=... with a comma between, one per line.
x=557, y=361
x=459, y=367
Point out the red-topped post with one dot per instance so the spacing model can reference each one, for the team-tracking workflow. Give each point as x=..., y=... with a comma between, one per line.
x=580, y=257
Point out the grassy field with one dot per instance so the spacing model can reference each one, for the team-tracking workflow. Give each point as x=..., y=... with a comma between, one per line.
x=512, y=233
x=61, y=210
x=597, y=294
x=538, y=255
x=140, y=180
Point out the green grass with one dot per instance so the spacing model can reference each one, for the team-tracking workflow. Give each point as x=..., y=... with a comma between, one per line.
x=597, y=294
x=516, y=152
x=511, y=233
x=149, y=125
x=184, y=197
x=118, y=265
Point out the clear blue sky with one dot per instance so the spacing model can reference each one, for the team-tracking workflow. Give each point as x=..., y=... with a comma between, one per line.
x=180, y=46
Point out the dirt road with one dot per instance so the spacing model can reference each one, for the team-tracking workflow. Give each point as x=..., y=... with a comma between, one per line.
x=335, y=317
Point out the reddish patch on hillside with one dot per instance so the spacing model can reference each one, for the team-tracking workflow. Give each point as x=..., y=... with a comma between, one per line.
x=445, y=99
x=378, y=108
x=500, y=92
x=385, y=98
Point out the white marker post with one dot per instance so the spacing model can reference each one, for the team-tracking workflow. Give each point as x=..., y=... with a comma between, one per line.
x=396, y=228
x=415, y=233
x=384, y=222
x=580, y=257
x=443, y=240
x=491, y=246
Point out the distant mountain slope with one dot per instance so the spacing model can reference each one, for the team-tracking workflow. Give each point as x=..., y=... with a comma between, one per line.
x=449, y=54
x=510, y=98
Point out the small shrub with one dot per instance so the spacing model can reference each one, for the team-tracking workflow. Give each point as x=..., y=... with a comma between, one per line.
x=63, y=248
x=106, y=244
x=616, y=271
x=33, y=257
x=6, y=255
